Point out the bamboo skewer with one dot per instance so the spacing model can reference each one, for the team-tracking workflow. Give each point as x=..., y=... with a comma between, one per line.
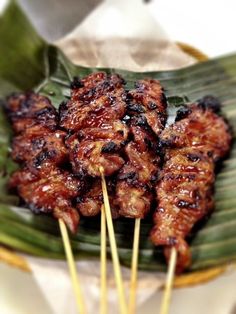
x=103, y=259
x=72, y=267
x=169, y=282
x=114, y=253
x=134, y=266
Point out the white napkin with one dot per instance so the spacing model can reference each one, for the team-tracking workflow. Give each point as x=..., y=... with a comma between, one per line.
x=54, y=282
x=123, y=34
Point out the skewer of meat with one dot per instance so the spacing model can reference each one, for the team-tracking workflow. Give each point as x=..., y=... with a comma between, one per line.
x=198, y=139
x=97, y=136
x=146, y=117
x=38, y=146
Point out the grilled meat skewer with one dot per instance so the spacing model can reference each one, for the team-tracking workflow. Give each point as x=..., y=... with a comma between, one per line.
x=146, y=110
x=93, y=118
x=94, y=115
x=193, y=145
x=39, y=147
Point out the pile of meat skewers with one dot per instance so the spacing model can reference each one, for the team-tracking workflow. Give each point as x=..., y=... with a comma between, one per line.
x=124, y=132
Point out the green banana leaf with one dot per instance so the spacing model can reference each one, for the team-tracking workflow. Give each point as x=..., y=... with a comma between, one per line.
x=28, y=62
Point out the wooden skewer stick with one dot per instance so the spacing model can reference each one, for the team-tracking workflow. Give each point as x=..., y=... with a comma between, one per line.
x=169, y=282
x=103, y=260
x=114, y=253
x=133, y=280
x=72, y=267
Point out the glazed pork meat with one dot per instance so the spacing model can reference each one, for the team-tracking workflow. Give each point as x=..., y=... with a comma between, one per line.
x=95, y=100
x=29, y=109
x=89, y=204
x=93, y=117
x=39, y=147
x=93, y=148
x=49, y=192
x=34, y=122
x=146, y=117
x=37, y=144
x=193, y=144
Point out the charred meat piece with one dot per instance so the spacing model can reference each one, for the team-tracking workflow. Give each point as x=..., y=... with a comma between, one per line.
x=185, y=190
x=149, y=97
x=49, y=192
x=37, y=139
x=111, y=131
x=201, y=127
x=27, y=110
x=98, y=100
x=184, y=195
x=92, y=148
x=90, y=203
x=88, y=157
x=94, y=114
x=146, y=110
x=38, y=144
x=95, y=85
x=133, y=190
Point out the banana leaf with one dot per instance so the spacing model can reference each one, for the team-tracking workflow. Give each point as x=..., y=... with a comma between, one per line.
x=27, y=62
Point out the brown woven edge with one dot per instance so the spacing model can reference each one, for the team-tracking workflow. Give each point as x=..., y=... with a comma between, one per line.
x=13, y=259
x=192, y=51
